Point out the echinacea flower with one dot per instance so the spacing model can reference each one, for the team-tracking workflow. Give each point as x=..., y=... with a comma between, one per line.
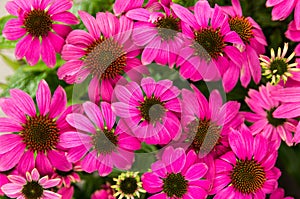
x=207, y=123
x=255, y=42
x=150, y=110
x=128, y=185
x=176, y=175
x=42, y=25
x=159, y=33
x=248, y=171
x=211, y=43
x=278, y=68
x=32, y=135
x=105, y=52
x=30, y=187
x=263, y=119
x=100, y=142
x=106, y=192
x=283, y=8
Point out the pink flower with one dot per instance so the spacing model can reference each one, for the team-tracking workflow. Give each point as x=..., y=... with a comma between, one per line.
x=283, y=8
x=207, y=123
x=66, y=192
x=211, y=43
x=42, y=25
x=176, y=175
x=99, y=141
x=264, y=121
x=67, y=177
x=279, y=194
x=150, y=110
x=106, y=192
x=121, y=7
x=159, y=33
x=248, y=170
x=106, y=52
x=30, y=187
x=255, y=42
x=33, y=135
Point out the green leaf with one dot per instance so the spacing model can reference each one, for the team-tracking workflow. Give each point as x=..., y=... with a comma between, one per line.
x=13, y=64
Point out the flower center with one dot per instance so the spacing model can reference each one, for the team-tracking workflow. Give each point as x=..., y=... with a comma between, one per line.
x=175, y=185
x=167, y=27
x=209, y=43
x=104, y=141
x=105, y=59
x=247, y=176
x=205, y=135
x=274, y=121
x=278, y=66
x=38, y=23
x=152, y=109
x=32, y=190
x=242, y=27
x=40, y=133
x=128, y=185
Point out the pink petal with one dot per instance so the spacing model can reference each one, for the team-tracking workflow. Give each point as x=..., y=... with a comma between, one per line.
x=196, y=171
x=69, y=68
x=26, y=163
x=152, y=183
x=203, y=12
x=271, y=3
x=50, y=183
x=282, y=10
x=22, y=46
x=43, y=97
x=12, y=29
x=196, y=192
x=107, y=23
x=59, y=160
x=139, y=14
x=80, y=37
x=43, y=164
x=89, y=162
x=73, y=139
x=12, y=190
x=48, y=52
x=51, y=195
x=185, y=15
x=11, y=158
x=108, y=114
x=9, y=125
x=56, y=41
x=33, y=55
x=177, y=159
x=159, y=196
x=12, y=8
x=58, y=102
x=150, y=51
x=121, y=6
x=76, y=153
x=94, y=113
x=90, y=23
x=17, y=179
x=24, y=101
x=65, y=17
x=72, y=52
x=61, y=30
x=230, y=78
x=35, y=175
x=60, y=6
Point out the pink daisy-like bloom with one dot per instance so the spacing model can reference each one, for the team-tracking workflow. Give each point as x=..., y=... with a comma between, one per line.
x=31, y=136
x=30, y=187
x=263, y=119
x=207, y=123
x=99, y=142
x=159, y=33
x=255, y=42
x=67, y=177
x=42, y=25
x=106, y=192
x=279, y=194
x=106, y=52
x=210, y=45
x=248, y=171
x=176, y=176
x=150, y=110
x=283, y=8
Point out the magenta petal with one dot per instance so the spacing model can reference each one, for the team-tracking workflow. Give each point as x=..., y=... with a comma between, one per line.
x=159, y=196
x=11, y=158
x=12, y=30
x=9, y=125
x=43, y=164
x=121, y=6
x=69, y=68
x=48, y=52
x=196, y=192
x=59, y=160
x=177, y=159
x=89, y=162
x=123, y=159
x=203, y=12
x=282, y=10
x=196, y=171
x=94, y=113
x=58, y=102
x=76, y=153
x=60, y=6
x=107, y=23
x=108, y=115
x=61, y=30
x=139, y=14
x=51, y=195
x=24, y=101
x=80, y=122
x=56, y=41
x=185, y=15
x=241, y=144
x=49, y=183
x=65, y=17
x=230, y=78
x=105, y=166
x=12, y=190
x=73, y=139
x=33, y=55
x=152, y=183
x=27, y=162
x=9, y=142
x=22, y=46
x=80, y=37
x=43, y=97
x=17, y=179
x=90, y=23
x=12, y=8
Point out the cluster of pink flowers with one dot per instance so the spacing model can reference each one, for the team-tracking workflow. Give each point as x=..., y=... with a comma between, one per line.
x=208, y=146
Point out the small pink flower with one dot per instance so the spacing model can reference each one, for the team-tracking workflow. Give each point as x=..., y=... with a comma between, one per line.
x=151, y=110
x=211, y=43
x=176, y=176
x=100, y=142
x=67, y=177
x=42, y=25
x=33, y=134
x=248, y=171
x=106, y=192
x=275, y=127
x=30, y=187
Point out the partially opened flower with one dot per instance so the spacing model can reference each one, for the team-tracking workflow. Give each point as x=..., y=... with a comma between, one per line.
x=255, y=42
x=128, y=185
x=277, y=68
x=32, y=135
x=100, y=141
x=211, y=43
x=150, y=110
x=105, y=52
x=248, y=171
x=176, y=176
x=264, y=121
x=30, y=187
x=43, y=27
